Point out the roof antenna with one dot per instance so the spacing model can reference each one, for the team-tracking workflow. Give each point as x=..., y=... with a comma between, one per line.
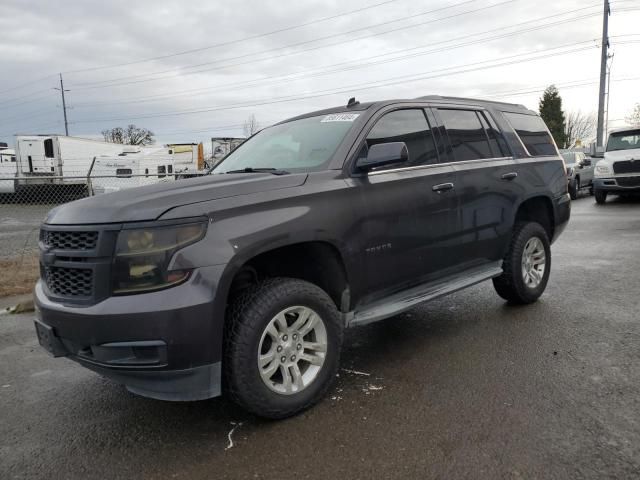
x=352, y=102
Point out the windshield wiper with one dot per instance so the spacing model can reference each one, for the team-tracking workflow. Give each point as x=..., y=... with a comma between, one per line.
x=273, y=171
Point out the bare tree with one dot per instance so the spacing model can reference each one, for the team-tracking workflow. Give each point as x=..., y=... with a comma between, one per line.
x=579, y=127
x=131, y=135
x=634, y=117
x=113, y=135
x=251, y=126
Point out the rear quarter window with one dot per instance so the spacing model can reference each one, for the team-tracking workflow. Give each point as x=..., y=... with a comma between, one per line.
x=533, y=133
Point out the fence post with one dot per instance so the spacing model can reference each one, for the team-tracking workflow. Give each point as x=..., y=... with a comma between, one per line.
x=89, y=184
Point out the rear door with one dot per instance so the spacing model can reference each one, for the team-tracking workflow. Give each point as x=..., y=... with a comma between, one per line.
x=406, y=213
x=487, y=186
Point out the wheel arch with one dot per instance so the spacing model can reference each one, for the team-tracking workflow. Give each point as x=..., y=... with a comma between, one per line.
x=537, y=208
x=327, y=269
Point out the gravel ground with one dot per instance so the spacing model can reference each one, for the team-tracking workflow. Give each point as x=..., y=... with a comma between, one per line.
x=464, y=387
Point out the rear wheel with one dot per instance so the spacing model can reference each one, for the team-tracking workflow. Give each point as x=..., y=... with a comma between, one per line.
x=282, y=347
x=526, y=265
x=601, y=196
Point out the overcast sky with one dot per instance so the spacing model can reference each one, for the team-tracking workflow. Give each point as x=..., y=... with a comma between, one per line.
x=278, y=59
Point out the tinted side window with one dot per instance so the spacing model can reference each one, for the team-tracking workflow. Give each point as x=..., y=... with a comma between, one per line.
x=466, y=134
x=410, y=127
x=533, y=133
x=48, y=148
x=494, y=137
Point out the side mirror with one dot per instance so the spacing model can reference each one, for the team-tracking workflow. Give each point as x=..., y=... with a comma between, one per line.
x=383, y=154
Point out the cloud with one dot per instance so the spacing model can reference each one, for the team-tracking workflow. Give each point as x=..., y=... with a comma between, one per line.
x=44, y=39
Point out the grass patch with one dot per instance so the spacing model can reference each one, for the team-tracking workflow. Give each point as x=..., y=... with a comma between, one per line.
x=19, y=275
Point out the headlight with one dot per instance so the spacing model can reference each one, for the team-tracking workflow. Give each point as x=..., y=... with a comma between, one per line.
x=602, y=170
x=142, y=257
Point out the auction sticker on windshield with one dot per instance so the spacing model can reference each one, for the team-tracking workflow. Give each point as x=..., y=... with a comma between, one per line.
x=340, y=117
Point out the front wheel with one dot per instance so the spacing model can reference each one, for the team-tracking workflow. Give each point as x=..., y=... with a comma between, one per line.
x=526, y=265
x=574, y=188
x=601, y=196
x=282, y=347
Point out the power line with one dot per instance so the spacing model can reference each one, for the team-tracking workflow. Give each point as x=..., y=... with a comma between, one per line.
x=535, y=27
x=293, y=27
x=231, y=42
x=322, y=71
x=523, y=91
x=114, y=81
x=26, y=83
x=358, y=87
x=565, y=85
x=35, y=113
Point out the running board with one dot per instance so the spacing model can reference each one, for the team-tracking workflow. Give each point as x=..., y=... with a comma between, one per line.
x=407, y=299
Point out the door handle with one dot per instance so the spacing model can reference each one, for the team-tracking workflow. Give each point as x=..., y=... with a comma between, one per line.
x=509, y=176
x=443, y=187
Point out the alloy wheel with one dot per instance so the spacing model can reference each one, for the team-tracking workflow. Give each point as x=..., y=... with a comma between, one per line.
x=292, y=350
x=534, y=261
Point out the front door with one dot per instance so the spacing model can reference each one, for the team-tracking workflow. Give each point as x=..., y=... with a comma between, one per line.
x=407, y=213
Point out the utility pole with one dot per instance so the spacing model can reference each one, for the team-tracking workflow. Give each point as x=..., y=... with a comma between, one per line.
x=606, y=123
x=603, y=73
x=64, y=106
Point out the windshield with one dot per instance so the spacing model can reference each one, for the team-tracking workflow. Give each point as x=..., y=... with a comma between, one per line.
x=300, y=145
x=624, y=140
x=569, y=158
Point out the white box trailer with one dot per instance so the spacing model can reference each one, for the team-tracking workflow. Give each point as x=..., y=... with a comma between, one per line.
x=43, y=159
x=136, y=167
x=8, y=170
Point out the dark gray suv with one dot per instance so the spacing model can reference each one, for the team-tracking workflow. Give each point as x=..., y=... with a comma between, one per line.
x=244, y=280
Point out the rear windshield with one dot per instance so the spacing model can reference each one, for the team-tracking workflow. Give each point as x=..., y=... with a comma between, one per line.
x=624, y=140
x=306, y=144
x=533, y=133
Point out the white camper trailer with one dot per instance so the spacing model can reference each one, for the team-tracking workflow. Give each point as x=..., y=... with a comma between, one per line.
x=42, y=159
x=8, y=170
x=138, y=166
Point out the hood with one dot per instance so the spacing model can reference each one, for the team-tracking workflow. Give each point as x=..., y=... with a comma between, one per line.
x=151, y=201
x=615, y=155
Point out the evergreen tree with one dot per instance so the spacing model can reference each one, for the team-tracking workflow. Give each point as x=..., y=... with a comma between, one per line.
x=552, y=114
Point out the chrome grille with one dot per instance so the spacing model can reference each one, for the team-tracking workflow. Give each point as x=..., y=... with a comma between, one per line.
x=69, y=240
x=68, y=282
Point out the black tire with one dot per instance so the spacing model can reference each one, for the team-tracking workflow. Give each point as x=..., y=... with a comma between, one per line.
x=248, y=316
x=574, y=188
x=591, y=190
x=601, y=196
x=511, y=285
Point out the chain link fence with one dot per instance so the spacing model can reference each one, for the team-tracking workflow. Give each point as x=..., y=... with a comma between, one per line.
x=25, y=201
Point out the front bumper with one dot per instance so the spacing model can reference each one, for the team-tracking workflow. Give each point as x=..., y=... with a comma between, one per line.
x=165, y=345
x=618, y=184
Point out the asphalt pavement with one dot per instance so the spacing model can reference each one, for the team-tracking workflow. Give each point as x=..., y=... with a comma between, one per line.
x=464, y=387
